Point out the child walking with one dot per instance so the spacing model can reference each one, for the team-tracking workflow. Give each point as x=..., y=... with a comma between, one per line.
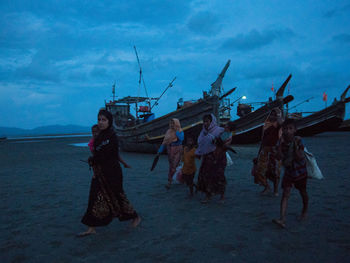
x=291, y=152
x=189, y=166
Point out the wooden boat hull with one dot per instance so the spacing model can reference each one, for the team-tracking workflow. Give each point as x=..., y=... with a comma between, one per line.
x=328, y=119
x=345, y=126
x=147, y=137
x=249, y=127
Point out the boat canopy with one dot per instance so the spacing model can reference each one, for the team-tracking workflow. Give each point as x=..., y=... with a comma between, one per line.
x=132, y=100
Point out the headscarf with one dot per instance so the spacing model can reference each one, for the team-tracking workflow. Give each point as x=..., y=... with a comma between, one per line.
x=268, y=123
x=177, y=124
x=206, y=137
x=170, y=135
x=108, y=115
x=107, y=133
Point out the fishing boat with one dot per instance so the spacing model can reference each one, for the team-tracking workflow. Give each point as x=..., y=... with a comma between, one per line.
x=248, y=128
x=345, y=126
x=142, y=132
x=328, y=119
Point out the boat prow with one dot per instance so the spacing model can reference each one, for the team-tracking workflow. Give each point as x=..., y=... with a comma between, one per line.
x=328, y=119
x=248, y=128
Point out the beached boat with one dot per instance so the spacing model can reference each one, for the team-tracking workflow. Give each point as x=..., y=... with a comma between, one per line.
x=144, y=133
x=328, y=119
x=345, y=126
x=249, y=127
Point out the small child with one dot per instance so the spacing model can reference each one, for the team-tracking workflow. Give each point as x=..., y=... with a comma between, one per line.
x=291, y=152
x=189, y=166
x=95, y=131
x=225, y=137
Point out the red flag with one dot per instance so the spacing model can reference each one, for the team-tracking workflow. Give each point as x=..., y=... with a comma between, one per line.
x=324, y=96
x=272, y=89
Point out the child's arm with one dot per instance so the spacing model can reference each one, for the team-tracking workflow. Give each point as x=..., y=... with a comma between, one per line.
x=299, y=151
x=228, y=141
x=279, y=154
x=123, y=162
x=182, y=154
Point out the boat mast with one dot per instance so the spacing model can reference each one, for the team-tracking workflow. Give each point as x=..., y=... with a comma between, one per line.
x=307, y=100
x=216, y=90
x=143, y=82
x=113, y=91
x=169, y=86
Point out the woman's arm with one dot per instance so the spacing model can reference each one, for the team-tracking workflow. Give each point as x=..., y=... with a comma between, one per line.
x=180, y=135
x=121, y=160
x=161, y=149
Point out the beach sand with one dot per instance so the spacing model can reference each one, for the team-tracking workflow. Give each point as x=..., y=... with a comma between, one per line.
x=44, y=194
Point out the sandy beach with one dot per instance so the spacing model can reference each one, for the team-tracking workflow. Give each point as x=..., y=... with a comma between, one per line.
x=44, y=194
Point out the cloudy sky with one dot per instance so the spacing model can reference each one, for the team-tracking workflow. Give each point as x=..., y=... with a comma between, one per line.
x=59, y=59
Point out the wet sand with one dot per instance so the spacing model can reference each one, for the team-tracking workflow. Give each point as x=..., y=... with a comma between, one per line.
x=44, y=194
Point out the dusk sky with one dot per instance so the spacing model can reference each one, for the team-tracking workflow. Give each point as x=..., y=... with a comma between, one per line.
x=59, y=59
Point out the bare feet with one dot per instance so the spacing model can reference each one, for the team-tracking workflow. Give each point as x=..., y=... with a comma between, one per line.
x=279, y=222
x=222, y=199
x=276, y=194
x=206, y=200
x=90, y=231
x=136, y=221
x=302, y=217
x=266, y=190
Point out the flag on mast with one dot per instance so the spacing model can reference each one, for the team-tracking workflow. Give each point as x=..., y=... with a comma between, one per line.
x=325, y=97
x=272, y=89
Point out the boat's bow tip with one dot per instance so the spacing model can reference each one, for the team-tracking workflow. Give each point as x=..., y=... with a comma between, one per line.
x=343, y=96
x=280, y=91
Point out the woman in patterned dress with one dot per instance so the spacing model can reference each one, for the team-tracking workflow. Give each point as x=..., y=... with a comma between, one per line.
x=107, y=199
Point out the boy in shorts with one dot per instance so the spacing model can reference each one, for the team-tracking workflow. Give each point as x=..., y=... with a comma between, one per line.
x=291, y=152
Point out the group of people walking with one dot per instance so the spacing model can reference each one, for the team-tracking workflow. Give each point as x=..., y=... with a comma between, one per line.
x=211, y=148
x=279, y=147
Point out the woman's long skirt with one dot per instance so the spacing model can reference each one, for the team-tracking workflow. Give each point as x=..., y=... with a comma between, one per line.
x=211, y=177
x=107, y=201
x=174, y=158
x=267, y=166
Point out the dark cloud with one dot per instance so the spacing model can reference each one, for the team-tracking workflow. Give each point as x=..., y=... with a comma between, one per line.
x=99, y=73
x=204, y=23
x=41, y=68
x=38, y=73
x=255, y=39
x=337, y=11
x=342, y=38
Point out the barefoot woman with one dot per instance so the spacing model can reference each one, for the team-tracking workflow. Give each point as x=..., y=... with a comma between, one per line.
x=173, y=143
x=211, y=177
x=107, y=198
x=268, y=167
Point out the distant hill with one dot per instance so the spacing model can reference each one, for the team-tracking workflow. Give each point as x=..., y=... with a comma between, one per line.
x=43, y=130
